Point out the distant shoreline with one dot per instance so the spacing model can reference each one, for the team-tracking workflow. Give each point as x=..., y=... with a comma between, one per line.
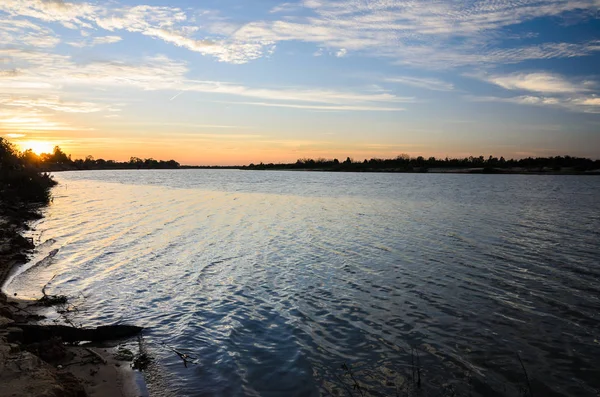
x=471, y=171
x=467, y=171
x=403, y=163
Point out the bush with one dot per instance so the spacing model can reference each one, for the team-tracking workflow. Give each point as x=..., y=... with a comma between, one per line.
x=20, y=181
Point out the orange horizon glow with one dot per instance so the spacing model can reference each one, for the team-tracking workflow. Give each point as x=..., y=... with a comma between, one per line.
x=229, y=154
x=37, y=147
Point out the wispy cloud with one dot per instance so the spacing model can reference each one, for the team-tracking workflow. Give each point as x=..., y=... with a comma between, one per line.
x=20, y=121
x=341, y=53
x=54, y=103
x=285, y=8
x=446, y=56
x=163, y=23
x=70, y=15
x=331, y=108
x=191, y=125
x=542, y=82
x=421, y=82
x=40, y=70
x=26, y=34
x=545, y=89
x=94, y=41
x=581, y=104
x=435, y=35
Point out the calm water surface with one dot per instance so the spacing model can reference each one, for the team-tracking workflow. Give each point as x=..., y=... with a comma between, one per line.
x=273, y=280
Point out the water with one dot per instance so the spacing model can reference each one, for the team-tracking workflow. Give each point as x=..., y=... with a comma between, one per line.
x=272, y=280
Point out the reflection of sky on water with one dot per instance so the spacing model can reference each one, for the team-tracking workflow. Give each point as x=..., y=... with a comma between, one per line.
x=273, y=279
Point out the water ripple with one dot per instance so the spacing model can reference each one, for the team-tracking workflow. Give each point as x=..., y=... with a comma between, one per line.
x=274, y=279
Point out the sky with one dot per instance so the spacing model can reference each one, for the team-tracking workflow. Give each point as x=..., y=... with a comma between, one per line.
x=234, y=82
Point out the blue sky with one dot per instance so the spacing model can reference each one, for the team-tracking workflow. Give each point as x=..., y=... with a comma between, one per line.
x=232, y=82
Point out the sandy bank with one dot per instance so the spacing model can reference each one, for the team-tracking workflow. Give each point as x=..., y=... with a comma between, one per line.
x=48, y=367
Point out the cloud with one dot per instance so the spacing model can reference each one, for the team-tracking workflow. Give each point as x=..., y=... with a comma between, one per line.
x=106, y=40
x=24, y=33
x=19, y=121
x=70, y=15
x=96, y=41
x=324, y=107
x=437, y=34
x=580, y=104
x=314, y=95
x=163, y=23
x=341, y=53
x=312, y=3
x=285, y=8
x=52, y=73
x=55, y=103
x=9, y=73
x=168, y=24
x=542, y=82
x=420, y=82
x=592, y=101
x=434, y=35
x=444, y=57
x=549, y=89
x=232, y=52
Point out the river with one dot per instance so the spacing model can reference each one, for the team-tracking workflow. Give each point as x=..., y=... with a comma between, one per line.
x=271, y=281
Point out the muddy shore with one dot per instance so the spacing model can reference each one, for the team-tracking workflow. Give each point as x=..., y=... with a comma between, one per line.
x=47, y=366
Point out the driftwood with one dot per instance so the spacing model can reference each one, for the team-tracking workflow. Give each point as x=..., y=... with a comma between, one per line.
x=33, y=333
x=97, y=355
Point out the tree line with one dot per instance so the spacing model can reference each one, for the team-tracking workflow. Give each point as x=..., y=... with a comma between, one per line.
x=60, y=161
x=406, y=163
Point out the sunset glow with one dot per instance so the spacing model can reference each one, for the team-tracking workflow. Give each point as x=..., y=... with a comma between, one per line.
x=229, y=83
x=37, y=147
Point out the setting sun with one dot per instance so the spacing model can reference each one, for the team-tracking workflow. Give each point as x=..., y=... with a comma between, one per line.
x=37, y=147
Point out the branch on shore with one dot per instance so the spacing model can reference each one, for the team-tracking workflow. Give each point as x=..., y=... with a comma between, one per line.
x=97, y=355
x=33, y=333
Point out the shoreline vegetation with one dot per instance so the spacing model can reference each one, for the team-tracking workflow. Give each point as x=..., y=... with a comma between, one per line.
x=558, y=165
x=562, y=165
x=47, y=360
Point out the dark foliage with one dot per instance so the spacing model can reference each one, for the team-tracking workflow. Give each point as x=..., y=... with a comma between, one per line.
x=405, y=163
x=20, y=180
x=58, y=161
x=134, y=163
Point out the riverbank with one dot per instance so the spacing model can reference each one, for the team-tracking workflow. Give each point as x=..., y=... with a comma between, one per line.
x=48, y=367
x=494, y=171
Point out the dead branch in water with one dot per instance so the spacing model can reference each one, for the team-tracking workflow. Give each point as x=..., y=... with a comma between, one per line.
x=44, y=287
x=526, y=375
x=51, y=300
x=186, y=358
x=355, y=384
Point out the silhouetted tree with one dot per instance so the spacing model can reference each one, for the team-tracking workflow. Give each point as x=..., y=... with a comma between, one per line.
x=20, y=180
